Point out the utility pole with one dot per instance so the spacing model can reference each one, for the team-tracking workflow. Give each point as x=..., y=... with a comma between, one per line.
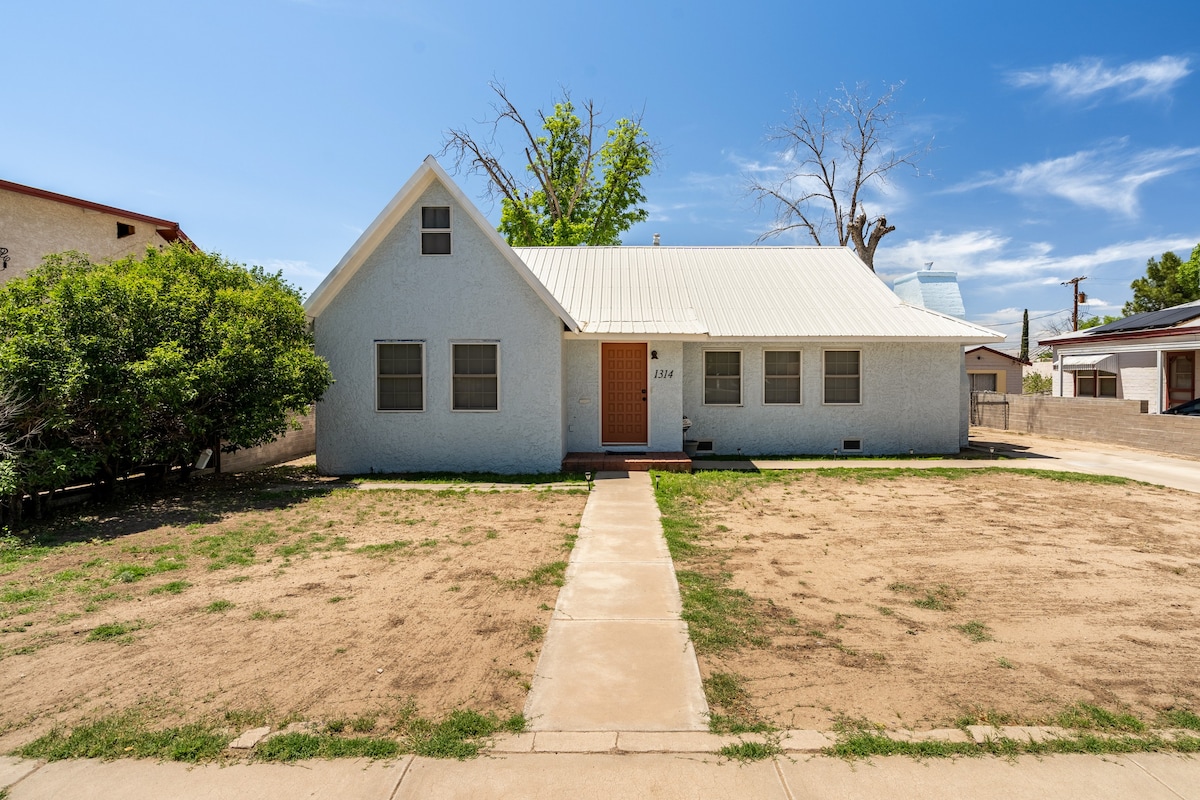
x=1078, y=297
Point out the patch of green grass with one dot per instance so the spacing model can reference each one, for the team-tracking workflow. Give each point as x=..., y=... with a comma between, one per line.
x=725, y=691
x=460, y=735
x=552, y=574
x=535, y=633
x=1085, y=716
x=750, y=751
x=289, y=747
x=337, y=599
x=218, y=606
x=313, y=543
x=467, y=478
x=1005, y=663
x=719, y=618
x=131, y=573
x=119, y=632
x=975, y=630
x=127, y=735
x=1181, y=718
x=385, y=548
x=31, y=594
x=262, y=614
x=234, y=547
x=174, y=587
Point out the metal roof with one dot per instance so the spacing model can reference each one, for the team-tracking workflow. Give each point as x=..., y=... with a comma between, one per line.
x=735, y=292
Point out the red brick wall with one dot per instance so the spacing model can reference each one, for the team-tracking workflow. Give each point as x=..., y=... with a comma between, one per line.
x=1122, y=422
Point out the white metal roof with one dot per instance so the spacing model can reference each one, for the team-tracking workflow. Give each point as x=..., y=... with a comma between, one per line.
x=736, y=292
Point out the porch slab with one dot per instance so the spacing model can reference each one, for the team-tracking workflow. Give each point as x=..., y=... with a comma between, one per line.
x=627, y=462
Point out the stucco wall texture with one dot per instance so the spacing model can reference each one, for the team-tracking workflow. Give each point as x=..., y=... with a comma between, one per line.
x=911, y=399
x=33, y=227
x=471, y=295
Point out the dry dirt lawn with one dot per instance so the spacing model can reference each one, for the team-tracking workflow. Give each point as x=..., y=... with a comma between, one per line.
x=308, y=605
x=872, y=590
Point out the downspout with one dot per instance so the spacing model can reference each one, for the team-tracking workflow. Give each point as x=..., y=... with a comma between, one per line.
x=1162, y=388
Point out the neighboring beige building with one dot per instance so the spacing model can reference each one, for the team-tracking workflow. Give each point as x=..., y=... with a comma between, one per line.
x=35, y=223
x=991, y=370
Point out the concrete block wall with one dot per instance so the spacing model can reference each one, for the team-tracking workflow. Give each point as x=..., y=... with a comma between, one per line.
x=1120, y=422
x=292, y=445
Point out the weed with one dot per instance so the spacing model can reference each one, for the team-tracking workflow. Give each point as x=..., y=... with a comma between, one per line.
x=719, y=618
x=385, y=548
x=262, y=614
x=750, y=751
x=120, y=632
x=552, y=574
x=939, y=599
x=289, y=747
x=127, y=735
x=174, y=587
x=976, y=631
x=234, y=547
x=535, y=633
x=363, y=724
x=1181, y=718
x=1086, y=716
x=218, y=606
x=337, y=599
x=1005, y=663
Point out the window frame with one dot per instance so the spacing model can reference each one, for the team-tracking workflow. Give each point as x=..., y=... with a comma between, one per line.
x=741, y=376
x=423, y=375
x=1098, y=379
x=825, y=376
x=448, y=230
x=454, y=376
x=799, y=376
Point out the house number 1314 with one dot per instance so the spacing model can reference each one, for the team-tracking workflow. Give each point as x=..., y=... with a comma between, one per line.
x=664, y=373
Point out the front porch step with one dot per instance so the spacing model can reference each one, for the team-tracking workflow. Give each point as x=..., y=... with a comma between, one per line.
x=626, y=462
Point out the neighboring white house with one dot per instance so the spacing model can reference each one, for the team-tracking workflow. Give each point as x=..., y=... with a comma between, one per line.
x=35, y=223
x=451, y=350
x=1150, y=356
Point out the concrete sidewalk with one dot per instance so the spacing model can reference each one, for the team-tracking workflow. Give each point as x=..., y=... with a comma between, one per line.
x=617, y=656
x=1146, y=776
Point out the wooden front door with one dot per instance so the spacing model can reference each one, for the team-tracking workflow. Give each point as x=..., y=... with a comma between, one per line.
x=623, y=401
x=1181, y=378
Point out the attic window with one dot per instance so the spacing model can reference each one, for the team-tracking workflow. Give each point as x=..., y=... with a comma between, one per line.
x=124, y=229
x=435, y=230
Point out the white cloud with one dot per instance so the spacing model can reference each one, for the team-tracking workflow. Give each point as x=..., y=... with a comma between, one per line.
x=1087, y=78
x=1108, y=178
x=997, y=264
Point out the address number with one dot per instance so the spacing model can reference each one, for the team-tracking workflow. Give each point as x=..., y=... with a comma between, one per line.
x=664, y=373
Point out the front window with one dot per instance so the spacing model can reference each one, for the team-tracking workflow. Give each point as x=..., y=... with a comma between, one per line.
x=400, y=380
x=1095, y=383
x=476, y=377
x=722, y=378
x=781, y=377
x=843, y=377
x=435, y=230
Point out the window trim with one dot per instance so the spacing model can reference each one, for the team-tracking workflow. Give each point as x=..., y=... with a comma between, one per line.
x=741, y=377
x=448, y=230
x=1096, y=376
x=799, y=376
x=424, y=377
x=825, y=375
x=453, y=376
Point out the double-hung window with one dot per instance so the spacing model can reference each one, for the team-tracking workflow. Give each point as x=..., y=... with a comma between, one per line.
x=400, y=376
x=722, y=378
x=476, y=381
x=843, y=377
x=435, y=230
x=781, y=377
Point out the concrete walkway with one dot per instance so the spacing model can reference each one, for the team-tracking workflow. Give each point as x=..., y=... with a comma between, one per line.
x=617, y=657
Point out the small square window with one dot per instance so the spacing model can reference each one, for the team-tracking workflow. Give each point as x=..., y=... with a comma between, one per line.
x=476, y=377
x=125, y=229
x=722, y=378
x=435, y=230
x=781, y=377
x=400, y=378
x=843, y=377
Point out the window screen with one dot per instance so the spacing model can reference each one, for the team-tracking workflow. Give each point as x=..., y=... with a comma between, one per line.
x=476, y=374
x=400, y=379
x=722, y=378
x=435, y=230
x=781, y=377
x=842, y=377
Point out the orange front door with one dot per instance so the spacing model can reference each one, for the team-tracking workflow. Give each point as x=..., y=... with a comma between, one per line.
x=623, y=400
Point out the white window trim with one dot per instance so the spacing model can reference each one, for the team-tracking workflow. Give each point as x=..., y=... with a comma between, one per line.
x=861, y=371
x=421, y=230
x=741, y=377
x=424, y=377
x=799, y=377
x=454, y=410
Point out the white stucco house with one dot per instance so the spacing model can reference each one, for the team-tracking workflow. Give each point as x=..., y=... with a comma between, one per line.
x=1150, y=356
x=451, y=350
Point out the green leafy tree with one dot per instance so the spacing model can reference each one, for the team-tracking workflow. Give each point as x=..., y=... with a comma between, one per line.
x=1093, y=322
x=139, y=362
x=1168, y=282
x=1036, y=383
x=574, y=189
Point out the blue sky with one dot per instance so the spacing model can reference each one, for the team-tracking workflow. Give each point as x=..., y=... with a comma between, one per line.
x=1065, y=134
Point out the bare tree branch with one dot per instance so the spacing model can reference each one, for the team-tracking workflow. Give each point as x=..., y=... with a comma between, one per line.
x=833, y=151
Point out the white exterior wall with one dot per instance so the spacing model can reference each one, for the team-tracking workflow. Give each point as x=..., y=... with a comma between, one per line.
x=33, y=227
x=582, y=398
x=1137, y=378
x=473, y=294
x=911, y=399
